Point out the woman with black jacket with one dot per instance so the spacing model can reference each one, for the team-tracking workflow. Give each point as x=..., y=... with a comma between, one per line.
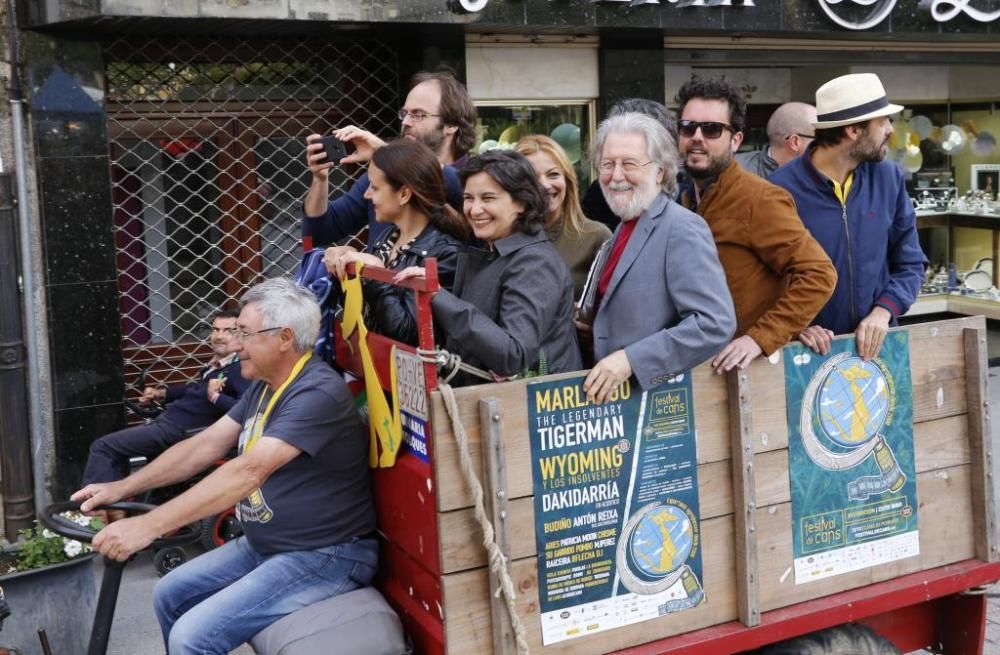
x=407, y=189
x=510, y=311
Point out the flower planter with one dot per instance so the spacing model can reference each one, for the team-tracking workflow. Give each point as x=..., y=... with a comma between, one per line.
x=60, y=598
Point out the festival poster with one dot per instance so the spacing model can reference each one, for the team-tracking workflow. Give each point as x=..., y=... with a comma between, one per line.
x=616, y=505
x=850, y=458
x=411, y=394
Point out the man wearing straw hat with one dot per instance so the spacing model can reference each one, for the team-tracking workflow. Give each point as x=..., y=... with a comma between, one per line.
x=855, y=204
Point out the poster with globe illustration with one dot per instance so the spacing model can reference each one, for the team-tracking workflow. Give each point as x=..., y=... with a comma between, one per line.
x=616, y=505
x=850, y=458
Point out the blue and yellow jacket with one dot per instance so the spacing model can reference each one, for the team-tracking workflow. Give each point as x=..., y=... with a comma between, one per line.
x=871, y=238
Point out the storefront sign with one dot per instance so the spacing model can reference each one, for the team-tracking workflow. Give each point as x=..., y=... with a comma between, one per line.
x=850, y=458
x=849, y=14
x=473, y=6
x=616, y=505
x=866, y=14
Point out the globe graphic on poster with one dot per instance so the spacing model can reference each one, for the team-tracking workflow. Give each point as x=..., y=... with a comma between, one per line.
x=853, y=402
x=661, y=541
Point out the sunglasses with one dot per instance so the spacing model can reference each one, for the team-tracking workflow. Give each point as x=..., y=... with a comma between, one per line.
x=709, y=129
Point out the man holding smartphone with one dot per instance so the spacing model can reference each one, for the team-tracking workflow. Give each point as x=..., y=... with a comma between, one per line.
x=438, y=112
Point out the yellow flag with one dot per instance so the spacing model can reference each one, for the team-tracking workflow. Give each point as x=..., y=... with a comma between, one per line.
x=385, y=426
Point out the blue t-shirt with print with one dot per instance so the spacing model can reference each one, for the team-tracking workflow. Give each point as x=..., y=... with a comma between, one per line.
x=323, y=496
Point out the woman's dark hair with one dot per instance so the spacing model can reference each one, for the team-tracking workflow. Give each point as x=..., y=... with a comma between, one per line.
x=513, y=172
x=717, y=88
x=410, y=163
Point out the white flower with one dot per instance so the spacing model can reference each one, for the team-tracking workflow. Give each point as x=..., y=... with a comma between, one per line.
x=48, y=534
x=72, y=548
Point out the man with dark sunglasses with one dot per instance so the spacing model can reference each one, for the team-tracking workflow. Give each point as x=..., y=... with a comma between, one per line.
x=789, y=133
x=778, y=275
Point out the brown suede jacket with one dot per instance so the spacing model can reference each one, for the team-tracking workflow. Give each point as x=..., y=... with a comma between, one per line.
x=779, y=276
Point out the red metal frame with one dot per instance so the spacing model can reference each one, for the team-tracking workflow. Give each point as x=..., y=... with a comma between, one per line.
x=921, y=610
x=405, y=494
x=914, y=611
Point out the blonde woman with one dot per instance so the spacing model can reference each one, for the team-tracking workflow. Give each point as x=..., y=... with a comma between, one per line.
x=575, y=237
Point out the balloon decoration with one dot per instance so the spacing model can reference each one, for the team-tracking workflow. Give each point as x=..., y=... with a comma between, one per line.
x=567, y=135
x=952, y=139
x=922, y=126
x=913, y=159
x=985, y=144
x=510, y=135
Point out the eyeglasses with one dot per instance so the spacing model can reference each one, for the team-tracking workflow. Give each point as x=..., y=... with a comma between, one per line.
x=243, y=335
x=415, y=116
x=709, y=129
x=800, y=135
x=628, y=165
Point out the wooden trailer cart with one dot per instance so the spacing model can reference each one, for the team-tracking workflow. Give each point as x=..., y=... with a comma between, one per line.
x=929, y=594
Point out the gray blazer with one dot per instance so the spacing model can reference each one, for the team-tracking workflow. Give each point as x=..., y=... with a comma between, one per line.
x=508, y=304
x=667, y=303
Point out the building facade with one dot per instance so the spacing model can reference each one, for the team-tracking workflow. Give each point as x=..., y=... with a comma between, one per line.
x=166, y=139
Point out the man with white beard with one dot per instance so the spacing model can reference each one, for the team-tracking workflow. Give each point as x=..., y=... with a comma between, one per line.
x=664, y=306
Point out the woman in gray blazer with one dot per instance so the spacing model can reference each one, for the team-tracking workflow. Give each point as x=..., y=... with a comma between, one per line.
x=511, y=308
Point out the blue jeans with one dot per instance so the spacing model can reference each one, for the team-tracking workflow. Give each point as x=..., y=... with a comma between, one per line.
x=221, y=599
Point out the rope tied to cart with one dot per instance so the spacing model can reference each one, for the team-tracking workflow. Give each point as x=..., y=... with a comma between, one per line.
x=449, y=364
x=497, y=560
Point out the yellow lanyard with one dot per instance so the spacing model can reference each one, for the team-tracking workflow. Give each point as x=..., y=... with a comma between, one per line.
x=257, y=427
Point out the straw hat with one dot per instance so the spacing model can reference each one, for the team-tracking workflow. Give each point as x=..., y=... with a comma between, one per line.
x=850, y=99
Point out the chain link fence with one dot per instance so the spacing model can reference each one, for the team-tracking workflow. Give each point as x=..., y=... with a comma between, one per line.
x=207, y=147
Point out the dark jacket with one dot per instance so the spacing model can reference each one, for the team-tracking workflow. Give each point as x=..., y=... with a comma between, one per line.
x=872, y=241
x=188, y=405
x=393, y=308
x=758, y=162
x=508, y=304
x=351, y=212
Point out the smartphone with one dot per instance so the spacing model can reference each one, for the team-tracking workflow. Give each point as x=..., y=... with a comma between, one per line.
x=334, y=149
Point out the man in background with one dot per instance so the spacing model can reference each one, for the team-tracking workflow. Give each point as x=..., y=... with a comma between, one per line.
x=789, y=132
x=196, y=404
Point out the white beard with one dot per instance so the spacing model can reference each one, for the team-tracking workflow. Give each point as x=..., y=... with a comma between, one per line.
x=627, y=206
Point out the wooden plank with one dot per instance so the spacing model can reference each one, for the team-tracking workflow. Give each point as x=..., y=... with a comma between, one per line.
x=467, y=601
x=462, y=540
x=495, y=502
x=937, y=365
x=744, y=495
x=937, y=362
x=981, y=445
x=711, y=423
x=939, y=444
x=944, y=516
x=946, y=535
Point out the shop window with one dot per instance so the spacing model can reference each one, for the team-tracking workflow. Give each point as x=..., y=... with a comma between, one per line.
x=570, y=123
